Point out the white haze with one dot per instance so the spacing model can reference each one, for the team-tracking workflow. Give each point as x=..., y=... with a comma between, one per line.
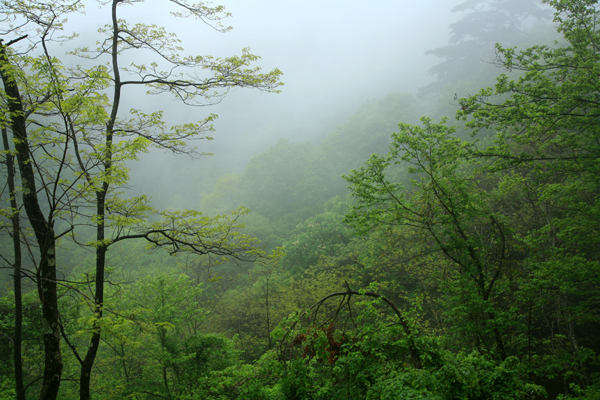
x=334, y=55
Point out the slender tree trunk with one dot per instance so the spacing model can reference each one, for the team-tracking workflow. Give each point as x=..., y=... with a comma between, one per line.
x=88, y=362
x=44, y=233
x=90, y=357
x=19, y=390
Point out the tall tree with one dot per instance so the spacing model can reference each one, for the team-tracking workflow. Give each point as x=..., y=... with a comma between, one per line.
x=102, y=140
x=548, y=137
x=447, y=206
x=17, y=263
x=43, y=227
x=510, y=223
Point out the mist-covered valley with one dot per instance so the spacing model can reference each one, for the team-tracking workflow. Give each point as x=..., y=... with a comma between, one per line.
x=371, y=200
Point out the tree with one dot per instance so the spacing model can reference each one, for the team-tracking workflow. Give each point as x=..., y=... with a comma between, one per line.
x=96, y=141
x=508, y=224
x=15, y=217
x=355, y=349
x=320, y=236
x=161, y=351
x=293, y=178
x=473, y=37
x=446, y=204
x=547, y=142
x=43, y=227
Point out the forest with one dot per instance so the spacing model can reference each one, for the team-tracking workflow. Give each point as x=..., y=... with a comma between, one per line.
x=436, y=244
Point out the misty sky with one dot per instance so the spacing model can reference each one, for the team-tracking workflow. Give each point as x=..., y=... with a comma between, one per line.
x=334, y=54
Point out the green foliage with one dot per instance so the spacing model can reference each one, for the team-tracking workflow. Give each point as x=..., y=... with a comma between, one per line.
x=446, y=208
x=488, y=246
x=290, y=182
x=371, y=362
x=154, y=345
x=32, y=339
x=293, y=178
x=507, y=229
x=323, y=235
x=457, y=376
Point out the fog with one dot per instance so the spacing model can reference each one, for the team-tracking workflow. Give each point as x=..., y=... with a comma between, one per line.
x=334, y=55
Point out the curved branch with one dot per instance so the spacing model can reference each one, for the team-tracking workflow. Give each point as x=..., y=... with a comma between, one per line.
x=414, y=352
